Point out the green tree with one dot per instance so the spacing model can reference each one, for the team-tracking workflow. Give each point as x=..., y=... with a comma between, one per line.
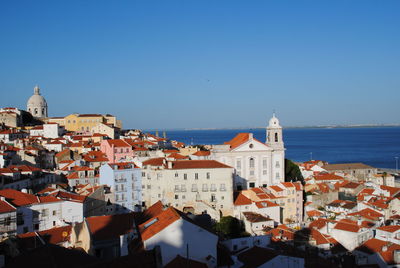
x=292, y=172
x=229, y=226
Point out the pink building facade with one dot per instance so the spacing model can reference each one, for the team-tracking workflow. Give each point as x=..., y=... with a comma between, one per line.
x=117, y=150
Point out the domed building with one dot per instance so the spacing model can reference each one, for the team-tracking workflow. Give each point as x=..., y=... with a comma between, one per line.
x=37, y=104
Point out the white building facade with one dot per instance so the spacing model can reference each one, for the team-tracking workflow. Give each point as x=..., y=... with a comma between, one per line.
x=125, y=181
x=255, y=163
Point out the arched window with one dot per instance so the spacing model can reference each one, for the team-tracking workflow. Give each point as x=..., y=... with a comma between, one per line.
x=43, y=111
x=276, y=137
x=36, y=111
x=251, y=162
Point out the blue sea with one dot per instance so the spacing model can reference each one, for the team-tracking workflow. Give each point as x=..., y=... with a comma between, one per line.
x=375, y=146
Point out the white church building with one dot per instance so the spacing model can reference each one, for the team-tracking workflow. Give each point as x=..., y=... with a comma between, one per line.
x=256, y=164
x=37, y=104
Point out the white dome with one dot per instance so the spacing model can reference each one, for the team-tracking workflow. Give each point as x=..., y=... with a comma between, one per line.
x=37, y=104
x=274, y=122
x=37, y=101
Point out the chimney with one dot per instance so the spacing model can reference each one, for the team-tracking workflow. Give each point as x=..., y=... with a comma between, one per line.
x=24, y=191
x=169, y=164
x=384, y=248
x=250, y=136
x=2, y=198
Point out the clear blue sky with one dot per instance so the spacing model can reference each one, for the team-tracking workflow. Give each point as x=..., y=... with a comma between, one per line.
x=185, y=64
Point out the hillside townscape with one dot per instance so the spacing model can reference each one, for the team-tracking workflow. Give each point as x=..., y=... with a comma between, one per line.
x=82, y=191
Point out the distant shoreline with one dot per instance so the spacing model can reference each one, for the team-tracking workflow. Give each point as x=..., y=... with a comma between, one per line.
x=285, y=127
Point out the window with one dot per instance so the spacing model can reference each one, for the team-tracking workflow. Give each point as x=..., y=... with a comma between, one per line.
x=176, y=174
x=194, y=187
x=183, y=188
x=185, y=176
x=276, y=137
x=116, y=197
x=264, y=172
x=196, y=176
x=277, y=175
x=205, y=188
x=222, y=187
x=213, y=188
x=54, y=223
x=143, y=174
x=277, y=164
x=208, y=175
x=251, y=172
x=183, y=197
x=149, y=186
x=264, y=163
x=36, y=226
x=177, y=188
x=251, y=146
x=45, y=212
x=222, y=197
x=54, y=212
x=251, y=162
x=176, y=196
x=238, y=164
x=213, y=198
x=252, y=185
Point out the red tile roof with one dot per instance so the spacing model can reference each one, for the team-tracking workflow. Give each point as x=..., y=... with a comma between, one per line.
x=389, y=228
x=154, y=162
x=95, y=156
x=255, y=217
x=384, y=248
x=110, y=227
x=17, y=198
x=194, y=164
x=177, y=156
x=69, y=196
x=276, y=188
x=238, y=140
x=314, y=213
x=347, y=225
x=202, y=153
x=368, y=214
x=327, y=177
x=265, y=204
x=242, y=200
x=118, y=143
x=6, y=207
x=153, y=226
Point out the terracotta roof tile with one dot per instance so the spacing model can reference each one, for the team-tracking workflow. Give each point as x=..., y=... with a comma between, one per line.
x=242, y=200
x=6, y=207
x=17, y=198
x=111, y=226
x=153, y=226
x=194, y=164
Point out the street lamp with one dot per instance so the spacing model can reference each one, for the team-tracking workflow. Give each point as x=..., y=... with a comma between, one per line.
x=397, y=163
x=310, y=156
